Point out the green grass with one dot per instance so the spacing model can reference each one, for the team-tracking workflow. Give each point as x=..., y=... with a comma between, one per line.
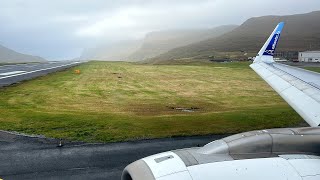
x=315, y=69
x=111, y=101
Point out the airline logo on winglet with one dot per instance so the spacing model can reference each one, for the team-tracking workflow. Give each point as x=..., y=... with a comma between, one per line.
x=274, y=41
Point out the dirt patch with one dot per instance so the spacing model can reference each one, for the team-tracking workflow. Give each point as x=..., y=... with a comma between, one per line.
x=185, y=109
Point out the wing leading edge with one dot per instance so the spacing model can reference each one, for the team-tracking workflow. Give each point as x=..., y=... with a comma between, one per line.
x=298, y=87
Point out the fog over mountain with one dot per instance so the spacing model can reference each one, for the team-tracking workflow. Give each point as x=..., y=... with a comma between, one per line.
x=301, y=32
x=155, y=43
x=10, y=56
x=61, y=29
x=119, y=51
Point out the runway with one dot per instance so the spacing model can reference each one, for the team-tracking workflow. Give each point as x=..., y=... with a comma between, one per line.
x=40, y=158
x=10, y=74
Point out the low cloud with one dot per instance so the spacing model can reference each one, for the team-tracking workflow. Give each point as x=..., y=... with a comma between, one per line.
x=61, y=29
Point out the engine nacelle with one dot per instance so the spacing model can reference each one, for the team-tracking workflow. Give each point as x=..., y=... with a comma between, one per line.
x=272, y=146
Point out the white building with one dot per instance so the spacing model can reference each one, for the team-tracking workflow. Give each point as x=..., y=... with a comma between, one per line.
x=309, y=56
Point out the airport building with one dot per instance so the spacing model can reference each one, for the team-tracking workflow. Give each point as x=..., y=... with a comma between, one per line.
x=289, y=55
x=309, y=56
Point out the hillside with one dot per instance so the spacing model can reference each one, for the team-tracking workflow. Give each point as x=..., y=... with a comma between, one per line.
x=10, y=56
x=156, y=43
x=301, y=32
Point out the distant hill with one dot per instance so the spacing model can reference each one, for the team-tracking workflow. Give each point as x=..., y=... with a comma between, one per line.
x=112, y=52
x=156, y=43
x=10, y=56
x=301, y=32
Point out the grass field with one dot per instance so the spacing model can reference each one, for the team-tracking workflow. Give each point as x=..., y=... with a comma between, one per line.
x=116, y=101
x=315, y=69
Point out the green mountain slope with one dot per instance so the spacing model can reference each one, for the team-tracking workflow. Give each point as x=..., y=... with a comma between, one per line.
x=301, y=32
x=156, y=43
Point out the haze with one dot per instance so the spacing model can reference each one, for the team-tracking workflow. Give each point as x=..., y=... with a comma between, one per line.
x=61, y=29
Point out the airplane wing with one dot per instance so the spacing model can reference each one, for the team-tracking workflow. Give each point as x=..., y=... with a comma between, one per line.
x=298, y=87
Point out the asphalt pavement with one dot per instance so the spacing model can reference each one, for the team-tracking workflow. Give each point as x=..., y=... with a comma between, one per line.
x=11, y=74
x=24, y=157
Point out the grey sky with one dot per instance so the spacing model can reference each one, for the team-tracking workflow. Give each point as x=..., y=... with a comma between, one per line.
x=61, y=29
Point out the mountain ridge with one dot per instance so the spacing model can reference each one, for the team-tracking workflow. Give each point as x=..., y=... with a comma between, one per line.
x=301, y=32
x=159, y=42
x=10, y=56
x=154, y=43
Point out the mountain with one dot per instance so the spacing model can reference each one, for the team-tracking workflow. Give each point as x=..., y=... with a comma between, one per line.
x=156, y=43
x=112, y=52
x=301, y=32
x=10, y=56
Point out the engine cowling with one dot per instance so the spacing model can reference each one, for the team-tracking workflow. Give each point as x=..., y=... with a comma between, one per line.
x=271, y=143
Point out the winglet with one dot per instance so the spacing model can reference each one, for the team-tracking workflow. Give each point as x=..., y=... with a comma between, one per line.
x=267, y=51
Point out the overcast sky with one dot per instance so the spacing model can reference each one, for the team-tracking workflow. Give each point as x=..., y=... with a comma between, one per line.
x=61, y=29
